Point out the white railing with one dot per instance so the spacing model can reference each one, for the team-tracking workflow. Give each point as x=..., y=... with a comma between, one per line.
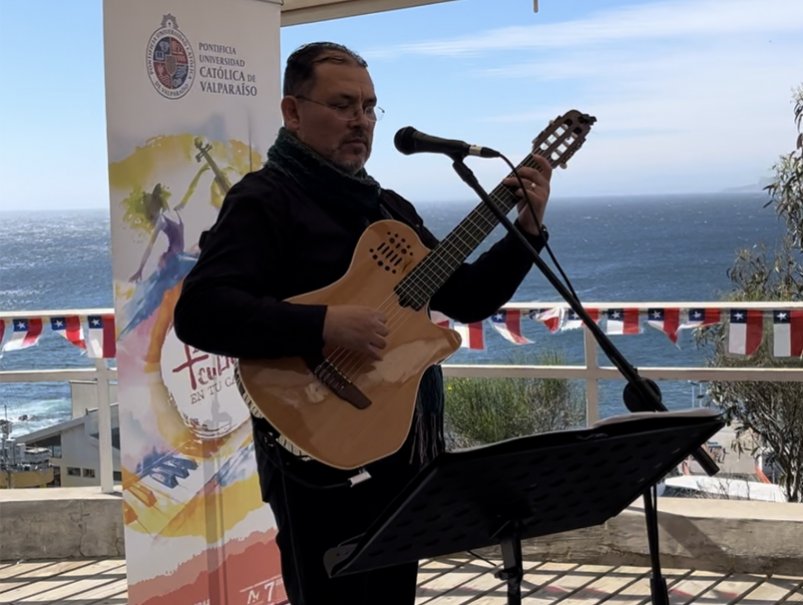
x=591, y=371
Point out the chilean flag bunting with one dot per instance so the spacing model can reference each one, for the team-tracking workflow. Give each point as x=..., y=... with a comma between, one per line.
x=696, y=318
x=666, y=320
x=70, y=328
x=573, y=321
x=439, y=319
x=746, y=330
x=787, y=333
x=100, y=342
x=96, y=333
x=622, y=321
x=551, y=318
x=22, y=333
x=508, y=323
x=471, y=335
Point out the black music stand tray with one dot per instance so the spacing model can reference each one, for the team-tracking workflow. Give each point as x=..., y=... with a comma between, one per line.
x=523, y=488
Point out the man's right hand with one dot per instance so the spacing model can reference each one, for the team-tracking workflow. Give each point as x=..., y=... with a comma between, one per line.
x=356, y=328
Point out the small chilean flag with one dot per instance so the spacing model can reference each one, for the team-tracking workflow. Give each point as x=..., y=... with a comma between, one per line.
x=439, y=319
x=22, y=333
x=100, y=336
x=70, y=328
x=666, y=320
x=787, y=332
x=696, y=318
x=551, y=318
x=471, y=335
x=746, y=331
x=508, y=323
x=573, y=320
x=622, y=321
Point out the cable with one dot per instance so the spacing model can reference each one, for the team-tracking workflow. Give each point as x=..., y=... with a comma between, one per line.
x=529, y=203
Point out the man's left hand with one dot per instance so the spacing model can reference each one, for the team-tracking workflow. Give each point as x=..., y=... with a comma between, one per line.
x=536, y=190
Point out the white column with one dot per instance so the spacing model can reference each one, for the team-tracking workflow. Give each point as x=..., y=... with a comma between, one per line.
x=105, y=449
x=592, y=384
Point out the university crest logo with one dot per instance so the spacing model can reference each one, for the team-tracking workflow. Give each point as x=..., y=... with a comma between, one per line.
x=169, y=60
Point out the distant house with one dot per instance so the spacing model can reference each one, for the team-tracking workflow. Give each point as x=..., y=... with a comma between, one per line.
x=73, y=444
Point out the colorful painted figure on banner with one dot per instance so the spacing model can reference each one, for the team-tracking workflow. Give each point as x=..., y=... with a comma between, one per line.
x=173, y=265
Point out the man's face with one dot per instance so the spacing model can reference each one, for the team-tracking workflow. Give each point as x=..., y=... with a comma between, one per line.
x=313, y=119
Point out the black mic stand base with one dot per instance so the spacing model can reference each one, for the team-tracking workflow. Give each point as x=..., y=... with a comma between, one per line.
x=659, y=591
x=513, y=571
x=658, y=587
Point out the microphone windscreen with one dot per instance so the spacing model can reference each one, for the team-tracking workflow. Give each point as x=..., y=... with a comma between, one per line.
x=404, y=140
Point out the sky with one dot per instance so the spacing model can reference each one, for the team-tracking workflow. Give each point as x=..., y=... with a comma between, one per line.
x=689, y=95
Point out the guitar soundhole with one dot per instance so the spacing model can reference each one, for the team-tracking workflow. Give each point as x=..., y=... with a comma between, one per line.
x=392, y=252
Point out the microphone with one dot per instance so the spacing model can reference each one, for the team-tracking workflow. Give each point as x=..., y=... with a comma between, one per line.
x=408, y=140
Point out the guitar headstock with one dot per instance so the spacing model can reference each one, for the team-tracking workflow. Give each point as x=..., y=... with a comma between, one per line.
x=563, y=137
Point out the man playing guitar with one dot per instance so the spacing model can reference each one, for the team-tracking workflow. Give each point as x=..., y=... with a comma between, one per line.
x=292, y=228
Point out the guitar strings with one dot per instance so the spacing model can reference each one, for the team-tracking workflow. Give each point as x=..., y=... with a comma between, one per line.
x=422, y=278
x=431, y=273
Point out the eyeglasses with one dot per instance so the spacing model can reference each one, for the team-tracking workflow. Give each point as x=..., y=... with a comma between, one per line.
x=349, y=111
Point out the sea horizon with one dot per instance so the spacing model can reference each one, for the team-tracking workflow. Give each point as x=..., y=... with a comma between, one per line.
x=672, y=247
x=756, y=188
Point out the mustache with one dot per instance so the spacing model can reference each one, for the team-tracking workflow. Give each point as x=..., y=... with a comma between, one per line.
x=358, y=137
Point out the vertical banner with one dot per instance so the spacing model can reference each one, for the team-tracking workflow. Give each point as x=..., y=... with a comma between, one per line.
x=192, y=91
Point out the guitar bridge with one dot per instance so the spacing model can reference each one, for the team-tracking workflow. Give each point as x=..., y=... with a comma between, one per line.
x=341, y=386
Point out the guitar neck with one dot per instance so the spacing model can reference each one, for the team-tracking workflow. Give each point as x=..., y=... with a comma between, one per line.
x=422, y=283
x=557, y=143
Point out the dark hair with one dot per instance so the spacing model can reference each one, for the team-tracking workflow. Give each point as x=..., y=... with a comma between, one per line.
x=154, y=203
x=299, y=73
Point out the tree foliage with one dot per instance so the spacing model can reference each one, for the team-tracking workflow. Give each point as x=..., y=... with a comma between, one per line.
x=771, y=412
x=787, y=189
x=482, y=410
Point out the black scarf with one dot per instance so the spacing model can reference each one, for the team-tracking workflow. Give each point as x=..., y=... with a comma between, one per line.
x=360, y=194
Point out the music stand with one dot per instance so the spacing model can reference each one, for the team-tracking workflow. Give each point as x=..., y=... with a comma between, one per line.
x=523, y=488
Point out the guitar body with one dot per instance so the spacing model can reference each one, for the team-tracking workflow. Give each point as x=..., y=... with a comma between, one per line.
x=308, y=413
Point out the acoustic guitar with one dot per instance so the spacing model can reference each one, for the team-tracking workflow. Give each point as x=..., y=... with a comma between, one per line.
x=343, y=408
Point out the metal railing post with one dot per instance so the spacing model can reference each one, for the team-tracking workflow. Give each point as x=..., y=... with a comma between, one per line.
x=592, y=383
x=105, y=450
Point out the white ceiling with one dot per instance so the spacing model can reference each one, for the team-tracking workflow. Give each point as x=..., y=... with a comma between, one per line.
x=307, y=11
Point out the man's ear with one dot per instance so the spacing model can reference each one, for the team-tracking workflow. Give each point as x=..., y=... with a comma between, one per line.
x=289, y=107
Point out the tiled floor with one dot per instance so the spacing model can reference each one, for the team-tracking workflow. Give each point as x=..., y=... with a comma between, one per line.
x=77, y=582
x=444, y=581
x=456, y=581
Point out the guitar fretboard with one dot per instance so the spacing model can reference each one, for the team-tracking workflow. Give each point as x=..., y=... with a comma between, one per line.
x=557, y=144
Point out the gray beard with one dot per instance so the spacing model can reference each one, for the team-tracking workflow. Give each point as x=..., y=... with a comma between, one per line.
x=351, y=168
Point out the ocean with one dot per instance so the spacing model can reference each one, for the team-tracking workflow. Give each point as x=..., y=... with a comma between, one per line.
x=628, y=248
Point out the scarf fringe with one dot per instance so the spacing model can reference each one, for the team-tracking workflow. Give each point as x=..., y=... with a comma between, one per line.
x=427, y=430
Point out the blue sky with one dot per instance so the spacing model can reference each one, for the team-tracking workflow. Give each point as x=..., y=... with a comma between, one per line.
x=690, y=95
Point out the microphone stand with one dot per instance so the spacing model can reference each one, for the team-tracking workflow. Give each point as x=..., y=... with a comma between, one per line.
x=639, y=394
